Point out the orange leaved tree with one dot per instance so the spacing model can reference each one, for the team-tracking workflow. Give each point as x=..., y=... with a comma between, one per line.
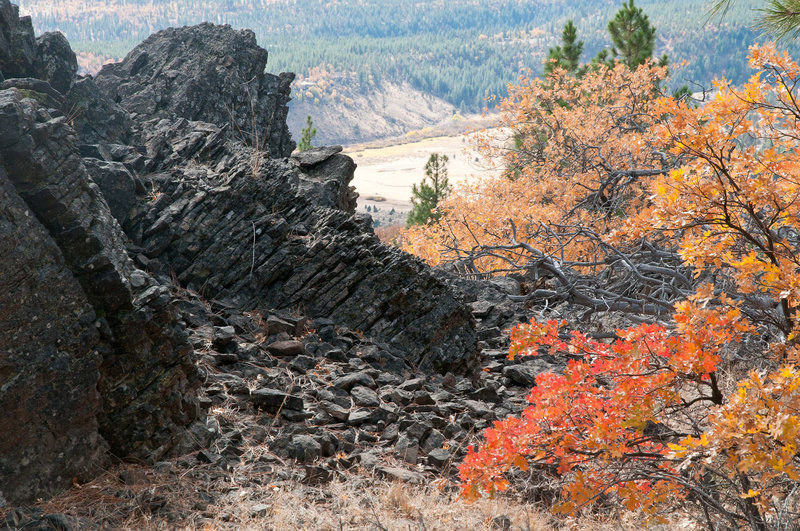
x=578, y=156
x=656, y=417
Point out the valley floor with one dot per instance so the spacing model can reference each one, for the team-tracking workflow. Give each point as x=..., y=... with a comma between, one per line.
x=388, y=169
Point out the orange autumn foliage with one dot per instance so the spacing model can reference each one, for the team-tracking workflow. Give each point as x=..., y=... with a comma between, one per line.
x=576, y=152
x=645, y=419
x=755, y=434
x=735, y=205
x=592, y=423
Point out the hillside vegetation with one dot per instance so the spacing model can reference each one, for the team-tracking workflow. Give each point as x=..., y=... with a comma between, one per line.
x=461, y=51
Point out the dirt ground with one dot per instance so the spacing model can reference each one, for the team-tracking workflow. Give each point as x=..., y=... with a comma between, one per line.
x=385, y=174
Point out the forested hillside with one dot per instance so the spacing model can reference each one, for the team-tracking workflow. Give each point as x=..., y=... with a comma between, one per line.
x=460, y=51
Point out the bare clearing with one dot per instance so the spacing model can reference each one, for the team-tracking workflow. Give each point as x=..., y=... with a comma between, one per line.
x=386, y=173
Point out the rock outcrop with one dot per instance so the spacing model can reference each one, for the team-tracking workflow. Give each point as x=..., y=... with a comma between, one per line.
x=49, y=361
x=48, y=58
x=170, y=174
x=281, y=249
x=145, y=370
x=17, y=43
x=209, y=73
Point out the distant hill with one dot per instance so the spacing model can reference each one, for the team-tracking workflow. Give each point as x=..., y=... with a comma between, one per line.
x=459, y=51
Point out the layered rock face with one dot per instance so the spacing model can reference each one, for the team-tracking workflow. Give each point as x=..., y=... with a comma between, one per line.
x=231, y=222
x=258, y=237
x=49, y=57
x=93, y=356
x=145, y=370
x=209, y=73
x=169, y=171
x=49, y=361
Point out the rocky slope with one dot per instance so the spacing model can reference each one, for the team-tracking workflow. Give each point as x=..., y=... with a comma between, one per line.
x=360, y=114
x=162, y=253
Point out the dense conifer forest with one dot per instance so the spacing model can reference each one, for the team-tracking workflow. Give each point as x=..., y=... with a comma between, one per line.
x=461, y=50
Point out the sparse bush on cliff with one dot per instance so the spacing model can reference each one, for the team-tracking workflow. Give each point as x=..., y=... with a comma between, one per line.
x=307, y=135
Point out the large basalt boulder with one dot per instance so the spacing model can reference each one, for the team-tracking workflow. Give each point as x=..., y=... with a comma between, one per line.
x=49, y=362
x=95, y=118
x=56, y=63
x=205, y=73
x=147, y=374
x=17, y=43
x=262, y=233
x=325, y=176
x=49, y=58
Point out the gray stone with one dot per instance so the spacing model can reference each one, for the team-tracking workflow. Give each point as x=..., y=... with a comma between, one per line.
x=407, y=449
x=303, y=364
x=223, y=335
x=328, y=442
x=481, y=308
x=55, y=61
x=412, y=385
x=423, y=398
x=288, y=348
x=418, y=429
x=348, y=381
x=439, y=457
x=336, y=411
x=398, y=396
x=260, y=510
x=364, y=396
x=433, y=441
x=276, y=325
x=390, y=433
x=311, y=157
x=526, y=373
x=305, y=449
x=234, y=384
x=359, y=416
x=401, y=474
x=271, y=400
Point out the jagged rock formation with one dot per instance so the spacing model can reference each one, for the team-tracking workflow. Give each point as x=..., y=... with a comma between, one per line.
x=112, y=338
x=49, y=368
x=49, y=57
x=170, y=171
x=209, y=73
x=291, y=240
x=146, y=370
x=282, y=250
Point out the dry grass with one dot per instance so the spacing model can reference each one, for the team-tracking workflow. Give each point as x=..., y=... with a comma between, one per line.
x=382, y=505
x=142, y=498
x=261, y=491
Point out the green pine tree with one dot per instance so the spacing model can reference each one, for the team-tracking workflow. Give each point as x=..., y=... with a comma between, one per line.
x=307, y=134
x=433, y=188
x=779, y=19
x=633, y=38
x=568, y=55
